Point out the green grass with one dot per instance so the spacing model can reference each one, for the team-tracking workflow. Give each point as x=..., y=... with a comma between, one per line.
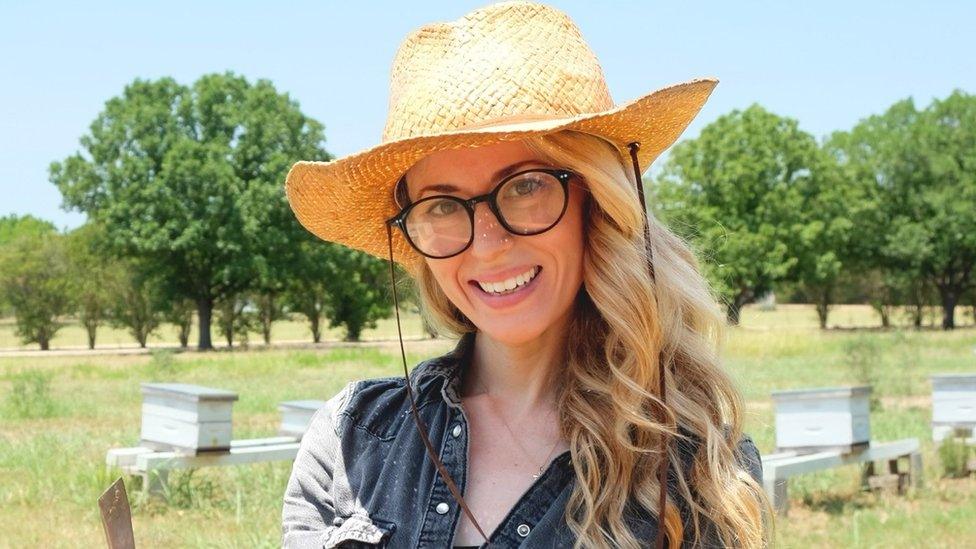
x=60, y=414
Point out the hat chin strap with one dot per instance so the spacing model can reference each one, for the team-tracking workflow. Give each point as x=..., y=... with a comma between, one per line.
x=413, y=404
x=662, y=471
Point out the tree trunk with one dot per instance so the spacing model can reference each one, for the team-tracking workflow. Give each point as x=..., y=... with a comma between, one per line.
x=267, y=317
x=734, y=309
x=823, y=308
x=90, y=328
x=316, y=320
x=950, y=297
x=884, y=311
x=184, y=334
x=204, y=312
x=918, y=313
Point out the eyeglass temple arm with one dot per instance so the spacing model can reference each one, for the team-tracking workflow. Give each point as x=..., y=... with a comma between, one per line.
x=413, y=404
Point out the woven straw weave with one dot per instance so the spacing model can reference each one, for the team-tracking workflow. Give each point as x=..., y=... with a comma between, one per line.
x=506, y=71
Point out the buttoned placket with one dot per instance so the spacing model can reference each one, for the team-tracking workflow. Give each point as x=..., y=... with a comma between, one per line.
x=443, y=513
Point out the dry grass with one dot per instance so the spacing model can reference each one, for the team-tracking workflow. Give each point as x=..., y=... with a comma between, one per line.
x=51, y=468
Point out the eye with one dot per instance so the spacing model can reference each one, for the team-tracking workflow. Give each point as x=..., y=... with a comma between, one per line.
x=525, y=187
x=442, y=208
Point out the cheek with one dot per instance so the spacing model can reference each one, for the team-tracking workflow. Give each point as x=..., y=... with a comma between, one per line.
x=572, y=240
x=445, y=273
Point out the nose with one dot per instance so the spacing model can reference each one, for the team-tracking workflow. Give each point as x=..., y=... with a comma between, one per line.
x=490, y=237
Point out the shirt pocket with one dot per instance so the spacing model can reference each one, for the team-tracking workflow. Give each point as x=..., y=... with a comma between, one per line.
x=357, y=532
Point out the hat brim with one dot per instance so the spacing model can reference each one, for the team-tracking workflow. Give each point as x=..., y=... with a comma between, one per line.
x=348, y=200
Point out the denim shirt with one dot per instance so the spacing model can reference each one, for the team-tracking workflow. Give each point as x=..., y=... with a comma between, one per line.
x=362, y=477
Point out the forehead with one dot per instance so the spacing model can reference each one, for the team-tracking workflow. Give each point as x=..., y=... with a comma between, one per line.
x=470, y=168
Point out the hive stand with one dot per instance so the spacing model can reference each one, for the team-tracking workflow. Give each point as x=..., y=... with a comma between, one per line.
x=823, y=428
x=189, y=426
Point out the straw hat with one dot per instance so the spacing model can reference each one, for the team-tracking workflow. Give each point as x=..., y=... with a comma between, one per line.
x=502, y=72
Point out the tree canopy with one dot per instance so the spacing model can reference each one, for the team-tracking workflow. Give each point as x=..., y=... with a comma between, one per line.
x=189, y=180
x=735, y=192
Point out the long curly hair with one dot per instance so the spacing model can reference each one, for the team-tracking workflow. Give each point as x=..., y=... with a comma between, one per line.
x=624, y=323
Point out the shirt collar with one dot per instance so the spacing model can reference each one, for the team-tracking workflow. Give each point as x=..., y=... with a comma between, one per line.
x=448, y=367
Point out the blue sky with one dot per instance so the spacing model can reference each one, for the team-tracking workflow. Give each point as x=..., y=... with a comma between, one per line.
x=825, y=63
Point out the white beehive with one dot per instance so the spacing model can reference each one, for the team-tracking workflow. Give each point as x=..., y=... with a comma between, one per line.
x=954, y=399
x=189, y=418
x=813, y=420
x=296, y=415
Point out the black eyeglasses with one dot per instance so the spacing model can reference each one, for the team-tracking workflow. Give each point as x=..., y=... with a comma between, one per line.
x=526, y=203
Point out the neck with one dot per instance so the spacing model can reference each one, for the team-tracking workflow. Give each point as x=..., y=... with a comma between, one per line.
x=520, y=377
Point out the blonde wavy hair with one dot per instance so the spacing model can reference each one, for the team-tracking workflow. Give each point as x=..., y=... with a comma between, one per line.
x=624, y=324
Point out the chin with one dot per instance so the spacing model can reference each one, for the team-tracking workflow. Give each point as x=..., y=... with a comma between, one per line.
x=512, y=333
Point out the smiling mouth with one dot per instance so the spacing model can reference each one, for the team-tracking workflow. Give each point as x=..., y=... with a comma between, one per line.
x=510, y=285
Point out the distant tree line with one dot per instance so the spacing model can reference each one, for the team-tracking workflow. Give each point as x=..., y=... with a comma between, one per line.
x=187, y=217
x=883, y=214
x=47, y=276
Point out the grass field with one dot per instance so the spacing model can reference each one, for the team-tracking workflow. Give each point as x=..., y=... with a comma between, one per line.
x=61, y=413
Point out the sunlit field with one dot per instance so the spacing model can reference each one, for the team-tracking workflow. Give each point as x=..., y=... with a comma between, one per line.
x=53, y=440
x=296, y=330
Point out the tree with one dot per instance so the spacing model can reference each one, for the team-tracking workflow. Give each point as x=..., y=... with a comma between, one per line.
x=920, y=170
x=93, y=274
x=138, y=300
x=270, y=308
x=358, y=291
x=234, y=319
x=34, y=280
x=13, y=226
x=734, y=193
x=179, y=312
x=189, y=180
x=348, y=287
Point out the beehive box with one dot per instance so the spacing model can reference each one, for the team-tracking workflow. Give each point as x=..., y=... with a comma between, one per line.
x=188, y=418
x=954, y=399
x=815, y=420
x=296, y=415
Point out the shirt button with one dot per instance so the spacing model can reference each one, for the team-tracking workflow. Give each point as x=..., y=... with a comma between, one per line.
x=337, y=521
x=441, y=508
x=523, y=530
x=456, y=431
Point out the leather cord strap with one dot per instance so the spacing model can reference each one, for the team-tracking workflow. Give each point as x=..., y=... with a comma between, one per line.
x=662, y=474
x=413, y=404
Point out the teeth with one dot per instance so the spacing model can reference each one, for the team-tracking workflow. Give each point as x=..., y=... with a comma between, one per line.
x=509, y=284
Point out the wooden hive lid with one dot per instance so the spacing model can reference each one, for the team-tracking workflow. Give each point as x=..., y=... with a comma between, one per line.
x=823, y=392
x=187, y=391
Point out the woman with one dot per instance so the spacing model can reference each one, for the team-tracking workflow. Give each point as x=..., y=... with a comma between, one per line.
x=507, y=184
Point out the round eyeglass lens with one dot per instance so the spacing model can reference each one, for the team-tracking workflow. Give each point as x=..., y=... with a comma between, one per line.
x=532, y=202
x=439, y=226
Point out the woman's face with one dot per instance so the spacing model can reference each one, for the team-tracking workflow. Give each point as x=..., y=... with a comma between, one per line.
x=553, y=259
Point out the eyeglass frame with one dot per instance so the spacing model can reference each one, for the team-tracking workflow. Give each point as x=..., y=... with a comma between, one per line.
x=562, y=175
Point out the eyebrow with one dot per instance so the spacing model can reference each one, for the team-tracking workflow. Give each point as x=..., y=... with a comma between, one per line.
x=500, y=174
